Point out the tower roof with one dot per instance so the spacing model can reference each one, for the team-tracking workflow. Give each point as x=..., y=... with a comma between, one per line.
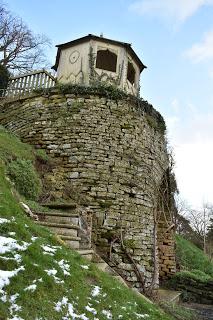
x=102, y=39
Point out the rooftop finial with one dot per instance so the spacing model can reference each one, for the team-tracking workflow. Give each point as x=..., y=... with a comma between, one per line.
x=101, y=35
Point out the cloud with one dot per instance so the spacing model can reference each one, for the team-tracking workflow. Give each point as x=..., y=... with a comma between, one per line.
x=193, y=171
x=203, y=50
x=190, y=133
x=180, y=10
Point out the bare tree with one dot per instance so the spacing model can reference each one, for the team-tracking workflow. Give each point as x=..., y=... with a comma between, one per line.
x=200, y=220
x=20, y=49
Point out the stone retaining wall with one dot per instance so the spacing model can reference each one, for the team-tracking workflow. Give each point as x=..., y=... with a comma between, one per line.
x=113, y=153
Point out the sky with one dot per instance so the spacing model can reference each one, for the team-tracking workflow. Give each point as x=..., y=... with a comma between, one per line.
x=174, y=39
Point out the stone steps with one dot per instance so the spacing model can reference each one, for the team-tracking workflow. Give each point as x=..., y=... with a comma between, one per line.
x=61, y=228
x=65, y=224
x=72, y=242
x=59, y=217
x=64, y=221
x=170, y=296
x=61, y=206
x=86, y=253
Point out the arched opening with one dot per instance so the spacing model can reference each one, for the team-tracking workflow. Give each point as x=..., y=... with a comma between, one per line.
x=106, y=60
x=131, y=73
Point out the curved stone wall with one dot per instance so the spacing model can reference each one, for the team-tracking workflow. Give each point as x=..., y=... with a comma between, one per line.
x=114, y=153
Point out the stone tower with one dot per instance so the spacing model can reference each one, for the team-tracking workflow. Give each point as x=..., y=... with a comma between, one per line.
x=110, y=150
x=93, y=59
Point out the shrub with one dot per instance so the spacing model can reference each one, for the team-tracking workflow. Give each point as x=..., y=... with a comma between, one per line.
x=41, y=154
x=26, y=179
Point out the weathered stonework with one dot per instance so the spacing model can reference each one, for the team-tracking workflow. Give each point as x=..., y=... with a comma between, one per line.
x=113, y=153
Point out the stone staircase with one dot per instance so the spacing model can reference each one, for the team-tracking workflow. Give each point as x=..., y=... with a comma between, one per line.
x=64, y=220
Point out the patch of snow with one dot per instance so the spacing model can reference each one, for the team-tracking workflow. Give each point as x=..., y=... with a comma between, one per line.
x=31, y=287
x=17, y=258
x=6, y=275
x=53, y=273
x=11, y=233
x=3, y=296
x=74, y=315
x=70, y=310
x=15, y=318
x=107, y=313
x=10, y=244
x=34, y=239
x=48, y=249
x=85, y=267
x=141, y=316
x=92, y=310
x=95, y=291
x=14, y=297
x=14, y=307
x=38, y=280
x=65, y=267
x=60, y=304
x=3, y=220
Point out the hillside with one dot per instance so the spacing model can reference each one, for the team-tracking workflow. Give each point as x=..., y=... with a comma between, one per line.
x=40, y=278
x=190, y=257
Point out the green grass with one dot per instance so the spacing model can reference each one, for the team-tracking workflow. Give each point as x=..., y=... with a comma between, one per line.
x=192, y=258
x=11, y=147
x=180, y=312
x=78, y=284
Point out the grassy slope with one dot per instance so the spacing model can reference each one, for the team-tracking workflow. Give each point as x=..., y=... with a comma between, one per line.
x=192, y=258
x=77, y=285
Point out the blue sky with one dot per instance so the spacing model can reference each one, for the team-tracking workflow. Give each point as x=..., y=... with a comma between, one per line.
x=174, y=39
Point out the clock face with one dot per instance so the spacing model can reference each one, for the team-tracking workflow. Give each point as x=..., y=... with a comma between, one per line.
x=74, y=56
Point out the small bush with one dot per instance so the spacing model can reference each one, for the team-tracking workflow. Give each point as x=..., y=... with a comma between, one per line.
x=26, y=179
x=41, y=154
x=196, y=275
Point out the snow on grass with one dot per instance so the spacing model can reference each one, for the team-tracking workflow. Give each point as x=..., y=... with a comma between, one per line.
x=14, y=307
x=15, y=318
x=31, y=288
x=17, y=258
x=61, y=305
x=92, y=310
x=96, y=291
x=6, y=275
x=48, y=248
x=3, y=220
x=38, y=280
x=85, y=267
x=107, y=313
x=10, y=244
x=52, y=272
x=11, y=233
x=65, y=267
x=141, y=316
